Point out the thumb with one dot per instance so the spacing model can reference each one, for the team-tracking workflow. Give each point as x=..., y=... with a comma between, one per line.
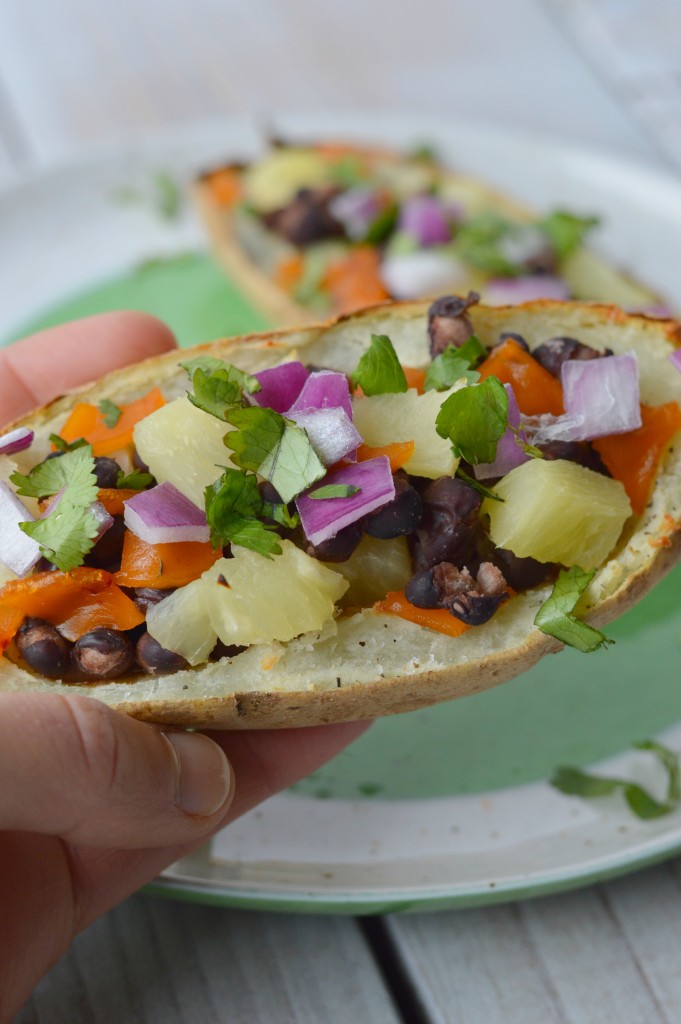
x=73, y=767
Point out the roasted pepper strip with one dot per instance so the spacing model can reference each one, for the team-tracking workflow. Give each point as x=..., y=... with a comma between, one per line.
x=416, y=377
x=398, y=453
x=53, y=596
x=163, y=566
x=536, y=391
x=110, y=609
x=439, y=619
x=87, y=421
x=113, y=498
x=355, y=281
x=633, y=458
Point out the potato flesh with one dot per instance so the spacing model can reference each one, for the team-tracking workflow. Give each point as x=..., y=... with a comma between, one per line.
x=385, y=419
x=558, y=511
x=184, y=446
x=239, y=600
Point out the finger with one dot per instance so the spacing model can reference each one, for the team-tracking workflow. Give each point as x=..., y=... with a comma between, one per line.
x=268, y=761
x=94, y=776
x=43, y=366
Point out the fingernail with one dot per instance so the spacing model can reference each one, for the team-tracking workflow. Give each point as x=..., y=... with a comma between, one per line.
x=204, y=775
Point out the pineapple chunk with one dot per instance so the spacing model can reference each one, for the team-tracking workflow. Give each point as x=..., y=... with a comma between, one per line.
x=384, y=419
x=183, y=445
x=275, y=180
x=247, y=599
x=558, y=512
x=374, y=569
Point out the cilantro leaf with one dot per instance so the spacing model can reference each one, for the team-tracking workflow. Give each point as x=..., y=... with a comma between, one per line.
x=209, y=364
x=73, y=470
x=67, y=446
x=382, y=225
x=446, y=369
x=555, y=616
x=378, y=371
x=335, y=491
x=473, y=350
x=110, y=413
x=275, y=448
x=280, y=514
x=478, y=243
x=135, y=481
x=233, y=504
x=565, y=231
x=214, y=393
x=575, y=782
x=477, y=486
x=66, y=535
x=474, y=419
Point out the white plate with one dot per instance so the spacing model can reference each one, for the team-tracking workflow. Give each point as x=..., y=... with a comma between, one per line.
x=447, y=806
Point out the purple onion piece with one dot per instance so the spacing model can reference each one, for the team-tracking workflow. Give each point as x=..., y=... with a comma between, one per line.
x=18, y=551
x=425, y=219
x=604, y=393
x=16, y=441
x=546, y=427
x=331, y=433
x=103, y=519
x=324, y=389
x=280, y=386
x=509, y=453
x=163, y=515
x=675, y=359
x=507, y=291
x=322, y=518
x=356, y=209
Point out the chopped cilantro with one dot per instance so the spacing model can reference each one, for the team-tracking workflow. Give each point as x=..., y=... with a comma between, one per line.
x=233, y=505
x=267, y=443
x=349, y=170
x=472, y=349
x=565, y=231
x=69, y=531
x=209, y=364
x=110, y=413
x=382, y=225
x=478, y=244
x=477, y=486
x=447, y=368
x=575, y=782
x=555, y=616
x=67, y=446
x=474, y=419
x=280, y=514
x=378, y=371
x=135, y=481
x=335, y=491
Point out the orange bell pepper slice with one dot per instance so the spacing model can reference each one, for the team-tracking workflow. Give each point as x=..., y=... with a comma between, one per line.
x=113, y=498
x=398, y=453
x=536, y=391
x=355, y=281
x=10, y=620
x=110, y=609
x=87, y=421
x=633, y=458
x=52, y=596
x=225, y=186
x=439, y=619
x=163, y=566
x=416, y=377
x=289, y=272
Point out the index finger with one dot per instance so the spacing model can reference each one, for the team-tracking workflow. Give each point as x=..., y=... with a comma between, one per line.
x=45, y=365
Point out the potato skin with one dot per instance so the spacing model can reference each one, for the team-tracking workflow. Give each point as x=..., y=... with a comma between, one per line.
x=399, y=666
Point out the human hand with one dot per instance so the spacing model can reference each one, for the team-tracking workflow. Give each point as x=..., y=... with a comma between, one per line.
x=94, y=804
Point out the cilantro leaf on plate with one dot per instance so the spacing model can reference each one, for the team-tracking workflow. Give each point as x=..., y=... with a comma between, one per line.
x=335, y=491
x=67, y=446
x=66, y=535
x=565, y=231
x=378, y=371
x=447, y=368
x=272, y=446
x=111, y=413
x=233, y=505
x=73, y=470
x=209, y=364
x=555, y=616
x=135, y=481
x=474, y=419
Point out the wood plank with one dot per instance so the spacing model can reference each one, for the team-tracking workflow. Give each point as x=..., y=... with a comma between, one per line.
x=604, y=954
x=163, y=962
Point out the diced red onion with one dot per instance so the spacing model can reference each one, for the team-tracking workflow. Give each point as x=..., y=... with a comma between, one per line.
x=16, y=441
x=103, y=519
x=675, y=359
x=324, y=389
x=322, y=518
x=356, y=209
x=416, y=274
x=507, y=291
x=424, y=218
x=331, y=433
x=18, y=551
x=509, y=452
x=546, y=427
x=164, y=515
x=280, y=386
x=604, y=393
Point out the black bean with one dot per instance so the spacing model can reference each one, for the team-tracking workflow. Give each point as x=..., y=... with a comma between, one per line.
x=475, y=609
x=580, y=452
x=521, y=573
x=155, y=659
x=269, y=493
x=449, y=530
x=108, y=551
x=148, y=597
x=400, y=516
x=139, y=463
x=338, y=548
x=43, y=648
x=307, y=218
x=556, y=351
x=512, y=336
x=448, y=323
x=421, y=590
x=225, y=651
x=106, y=471
x=103, y=654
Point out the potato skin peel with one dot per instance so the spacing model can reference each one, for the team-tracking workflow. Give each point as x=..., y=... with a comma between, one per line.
x=386, y=665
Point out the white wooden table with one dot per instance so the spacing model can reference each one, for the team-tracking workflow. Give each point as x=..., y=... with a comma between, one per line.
x=77, y=73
